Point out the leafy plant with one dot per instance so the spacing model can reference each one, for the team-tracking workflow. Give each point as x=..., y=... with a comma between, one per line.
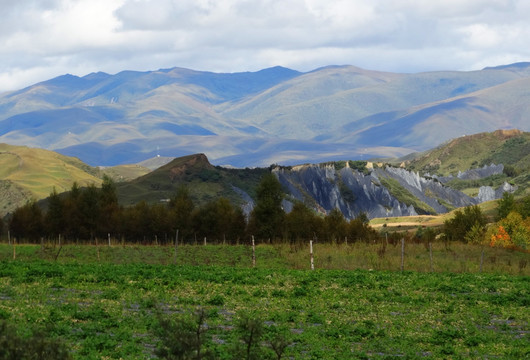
x=183, y=338
x=37, y=346
x=249, y=331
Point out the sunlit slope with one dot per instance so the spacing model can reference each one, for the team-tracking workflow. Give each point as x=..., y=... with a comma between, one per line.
x=33, y=173
x=507, y=147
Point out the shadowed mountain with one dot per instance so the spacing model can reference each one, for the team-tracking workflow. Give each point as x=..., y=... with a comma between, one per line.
x=275, y=115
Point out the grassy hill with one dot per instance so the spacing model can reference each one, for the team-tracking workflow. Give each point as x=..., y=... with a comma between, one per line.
x=204, y=181
x=508, y=147
x=30, y=173
x=33, y=173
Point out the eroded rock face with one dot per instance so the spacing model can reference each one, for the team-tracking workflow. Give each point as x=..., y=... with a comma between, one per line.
x=474, y=174
x=325, y=188
x=487, y=193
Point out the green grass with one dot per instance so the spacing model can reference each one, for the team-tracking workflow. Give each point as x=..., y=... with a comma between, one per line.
x=107, y=309
x=453, y=257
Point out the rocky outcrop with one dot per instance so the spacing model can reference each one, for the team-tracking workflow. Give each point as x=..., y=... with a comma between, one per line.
x=487, y=193
x=474, y=174
x=323, y=187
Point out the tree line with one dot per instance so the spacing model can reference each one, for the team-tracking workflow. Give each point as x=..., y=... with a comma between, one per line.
x=86, y=214
x=511, y=228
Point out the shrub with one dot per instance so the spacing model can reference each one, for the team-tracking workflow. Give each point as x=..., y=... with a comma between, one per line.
x=38, y=346
x=463, y=222
x=183, y=338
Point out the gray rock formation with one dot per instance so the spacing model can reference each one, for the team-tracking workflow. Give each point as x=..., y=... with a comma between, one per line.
x=487, y=193
x=473, y=174
x=323, y=188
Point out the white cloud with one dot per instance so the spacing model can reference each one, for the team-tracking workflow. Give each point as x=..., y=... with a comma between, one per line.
x=40, y=39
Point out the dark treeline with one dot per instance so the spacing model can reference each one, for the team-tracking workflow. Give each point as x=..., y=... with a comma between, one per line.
x=86, y=214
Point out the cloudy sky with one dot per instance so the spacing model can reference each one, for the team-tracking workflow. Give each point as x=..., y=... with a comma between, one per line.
x=40, y=39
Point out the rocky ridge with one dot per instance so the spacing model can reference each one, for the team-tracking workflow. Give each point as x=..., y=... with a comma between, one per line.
x=325, y=187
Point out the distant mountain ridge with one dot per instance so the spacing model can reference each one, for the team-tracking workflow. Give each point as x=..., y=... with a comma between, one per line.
x=275, y=115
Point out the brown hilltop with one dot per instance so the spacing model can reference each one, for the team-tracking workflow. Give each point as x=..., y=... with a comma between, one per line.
x=178, y=167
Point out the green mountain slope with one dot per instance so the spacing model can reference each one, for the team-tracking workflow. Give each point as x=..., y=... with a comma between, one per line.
x=510, y=148
x=28, y=173
x=204, y=181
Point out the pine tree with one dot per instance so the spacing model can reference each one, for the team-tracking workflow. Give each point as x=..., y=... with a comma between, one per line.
x=267, y=218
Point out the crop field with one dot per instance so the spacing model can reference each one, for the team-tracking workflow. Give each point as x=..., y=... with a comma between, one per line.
x=107, y=302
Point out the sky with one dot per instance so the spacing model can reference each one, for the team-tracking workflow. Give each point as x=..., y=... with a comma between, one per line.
x=41, y=39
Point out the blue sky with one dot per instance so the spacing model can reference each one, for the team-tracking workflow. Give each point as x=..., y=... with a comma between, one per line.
x=41, y=39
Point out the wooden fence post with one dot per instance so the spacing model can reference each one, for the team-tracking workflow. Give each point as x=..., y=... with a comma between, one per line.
x=205, y=241
x=14, y=248
x=482, y=259
x=402, y=254
x=109, y=238
x=176, y=245
x=253, y=252
x=311, y=254
x=97, y=247
x=430, y=255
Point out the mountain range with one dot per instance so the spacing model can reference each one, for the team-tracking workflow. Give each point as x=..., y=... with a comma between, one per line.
x=273, y=116
x=465, y=171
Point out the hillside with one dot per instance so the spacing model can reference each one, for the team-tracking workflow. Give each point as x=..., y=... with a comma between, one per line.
x=27, y=173
x=478, y=152
x=350, y=186
x=271, y=116
x=434, y=182
x=30, y=173
x=204, y=181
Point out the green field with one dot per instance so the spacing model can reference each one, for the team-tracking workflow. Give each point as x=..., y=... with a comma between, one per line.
x=104, y=302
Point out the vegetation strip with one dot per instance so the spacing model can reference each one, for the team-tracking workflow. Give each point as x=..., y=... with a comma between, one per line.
x=106, y=310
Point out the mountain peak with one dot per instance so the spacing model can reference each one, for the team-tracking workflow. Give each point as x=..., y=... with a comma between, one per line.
x=179, y=166
x=514, y=66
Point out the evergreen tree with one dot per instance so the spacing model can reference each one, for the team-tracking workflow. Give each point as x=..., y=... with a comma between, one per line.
x=301, y=223
x=238, y=225
x=27, y=222
x=72, y=214
x=336, y=225
x=462, y=222
x=359, y=228
x=89, y=207
x=267, y=218
x=54, y=219
x=181, y=206
x=109, y=214
x=505, y=205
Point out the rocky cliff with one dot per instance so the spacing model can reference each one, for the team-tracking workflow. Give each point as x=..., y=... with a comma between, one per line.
x=380, y=192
